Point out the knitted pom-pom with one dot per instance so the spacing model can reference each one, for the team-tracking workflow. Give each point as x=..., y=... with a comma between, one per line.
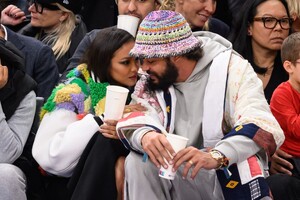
x=81, y=84
x=64, y=94
x=99, y=108
x=42, y=113
x=78, y=71
x=50, y=104
x=98, y=91
x=87, y=104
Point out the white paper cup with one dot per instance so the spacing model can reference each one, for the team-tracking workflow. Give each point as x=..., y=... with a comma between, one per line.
x=178, y=143
x=128, y=23
x=115, y=102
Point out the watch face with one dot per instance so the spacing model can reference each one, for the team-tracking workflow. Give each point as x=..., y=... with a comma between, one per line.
x=217, y=155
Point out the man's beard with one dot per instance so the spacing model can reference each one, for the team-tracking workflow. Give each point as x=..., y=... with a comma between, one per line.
x=165, y=80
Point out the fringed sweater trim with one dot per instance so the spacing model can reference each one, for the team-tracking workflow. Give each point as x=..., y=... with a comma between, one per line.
x=80, y=94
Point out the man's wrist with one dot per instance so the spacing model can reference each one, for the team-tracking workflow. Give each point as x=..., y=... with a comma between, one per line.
x=144, y=136
x=220, y=158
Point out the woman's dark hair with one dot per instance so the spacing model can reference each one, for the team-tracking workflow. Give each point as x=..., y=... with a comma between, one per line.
x=239, y=35
x=101, y=51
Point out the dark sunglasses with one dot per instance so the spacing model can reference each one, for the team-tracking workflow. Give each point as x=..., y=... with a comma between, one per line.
x=39, y=7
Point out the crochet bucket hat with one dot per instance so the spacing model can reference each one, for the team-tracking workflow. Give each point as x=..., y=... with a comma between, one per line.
x=163, y=34
x=73, y=5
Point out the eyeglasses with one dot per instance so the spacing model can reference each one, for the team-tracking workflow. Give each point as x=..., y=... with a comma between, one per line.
x=39, y=7
x=271, y=22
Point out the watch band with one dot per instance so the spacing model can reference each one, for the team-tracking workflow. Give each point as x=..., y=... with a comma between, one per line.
x=220, y=158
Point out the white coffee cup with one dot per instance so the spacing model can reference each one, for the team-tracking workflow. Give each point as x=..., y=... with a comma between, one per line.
x=178, y=143
x=115, y=102
x=128, y=23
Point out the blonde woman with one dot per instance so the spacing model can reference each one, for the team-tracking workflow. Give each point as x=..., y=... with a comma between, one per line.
x=198, y=14
x=294, y=8
x=54, y=22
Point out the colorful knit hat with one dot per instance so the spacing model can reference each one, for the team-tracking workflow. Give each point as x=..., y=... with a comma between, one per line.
x=162, y=34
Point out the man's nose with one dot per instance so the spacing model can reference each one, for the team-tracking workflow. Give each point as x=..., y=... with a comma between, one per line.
x=131, y=5
x=145, y=67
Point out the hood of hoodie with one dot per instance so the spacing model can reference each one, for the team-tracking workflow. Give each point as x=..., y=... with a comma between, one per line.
x=213, y=44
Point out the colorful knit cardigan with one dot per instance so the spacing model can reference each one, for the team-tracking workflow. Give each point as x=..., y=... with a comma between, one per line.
x=80, y=94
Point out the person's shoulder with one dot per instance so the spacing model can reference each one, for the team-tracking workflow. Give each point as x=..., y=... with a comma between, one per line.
x=27, y=40
x=30, y=97
x=29, y=30
x=283, y=90
x=219, y=27
x=94, y=32
x=284, y=86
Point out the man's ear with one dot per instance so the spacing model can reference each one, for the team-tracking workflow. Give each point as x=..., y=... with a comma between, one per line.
x=288, y=66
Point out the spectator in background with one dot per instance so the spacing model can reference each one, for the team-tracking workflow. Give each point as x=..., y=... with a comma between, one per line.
x=39, y=59
x=258, y=35
x=92, y=17
x=12, y=16
x=17, y=109
x=20, y=14
x=285, y=106
x=223, y=12
x=294, y=7
x=198, y=14
x=54, y=23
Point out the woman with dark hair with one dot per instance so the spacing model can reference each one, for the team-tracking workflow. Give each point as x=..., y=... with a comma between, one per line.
x=68, y=142
x=258, y=34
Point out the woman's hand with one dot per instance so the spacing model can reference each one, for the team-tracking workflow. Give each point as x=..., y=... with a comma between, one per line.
x=108, y=129
x=134, y=108
x=12, y=15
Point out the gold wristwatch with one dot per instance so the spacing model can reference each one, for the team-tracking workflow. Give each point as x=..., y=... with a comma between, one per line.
x=219, y=157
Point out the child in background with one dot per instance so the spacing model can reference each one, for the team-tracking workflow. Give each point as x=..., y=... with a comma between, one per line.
x=285, y=102
x=285, y=106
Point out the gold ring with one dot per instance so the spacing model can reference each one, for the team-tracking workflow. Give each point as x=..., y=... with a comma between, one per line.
x=127, y=110
x=191, y=162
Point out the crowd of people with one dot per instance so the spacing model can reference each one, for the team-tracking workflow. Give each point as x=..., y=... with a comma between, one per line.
x=229, y=84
